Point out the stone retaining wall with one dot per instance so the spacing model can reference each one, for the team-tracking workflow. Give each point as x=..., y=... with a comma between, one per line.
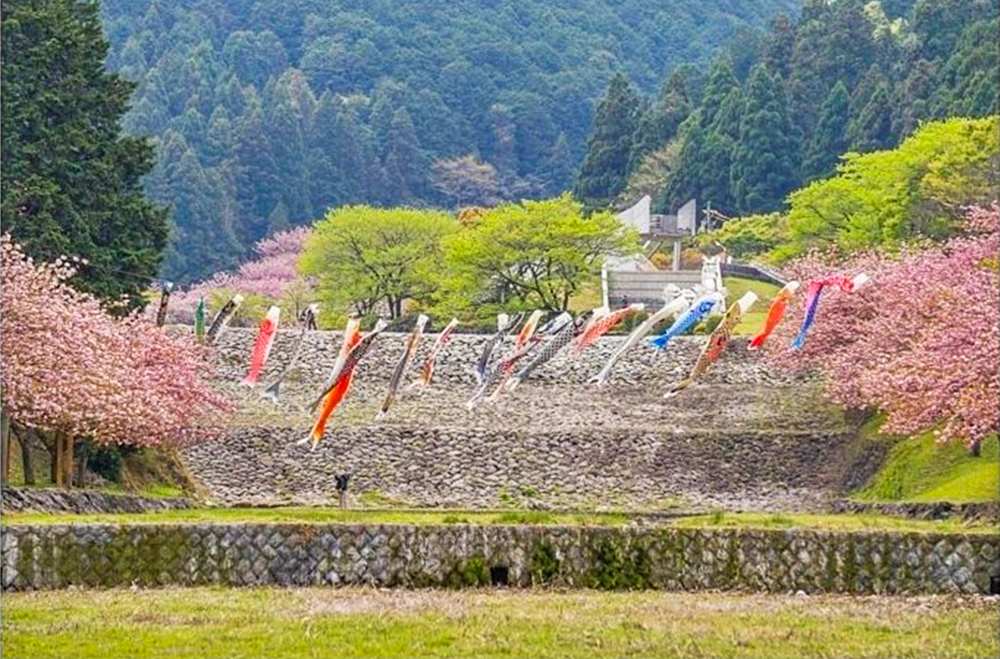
x=17, y=499
x=748, y=437
x=58, y=556
x=986, y=512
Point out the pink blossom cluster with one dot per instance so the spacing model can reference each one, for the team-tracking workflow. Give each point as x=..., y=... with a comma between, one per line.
x=69, y=366
x=271, y=275
x=920, y=342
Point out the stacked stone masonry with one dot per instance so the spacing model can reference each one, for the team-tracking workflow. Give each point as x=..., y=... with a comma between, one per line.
x=94, y=555
x=747, y=437
x=50, y=500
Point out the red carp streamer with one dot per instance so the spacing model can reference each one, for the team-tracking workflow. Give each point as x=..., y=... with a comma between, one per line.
x=262, y=346
x=603, y=325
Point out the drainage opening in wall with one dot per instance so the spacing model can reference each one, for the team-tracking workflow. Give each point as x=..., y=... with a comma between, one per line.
x=995, y=585
x=499, y=575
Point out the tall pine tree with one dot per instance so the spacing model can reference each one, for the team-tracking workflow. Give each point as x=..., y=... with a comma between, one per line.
x=70, y=182
x=605, y=169
x=766, y=158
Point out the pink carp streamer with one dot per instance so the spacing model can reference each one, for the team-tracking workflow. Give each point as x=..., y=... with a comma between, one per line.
x=774, y=314
x=602, y=326
x=815, y=289
x=262, y=346
x=717, y=342
x=427, y=372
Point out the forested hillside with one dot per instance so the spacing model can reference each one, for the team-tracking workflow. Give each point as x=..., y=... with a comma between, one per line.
x=776, y=111
x=267, y=113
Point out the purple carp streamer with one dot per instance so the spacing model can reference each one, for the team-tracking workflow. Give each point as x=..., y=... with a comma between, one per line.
x=223, y=318
x=350, y=362
x=308, y=320
x=404, y=359
x=566, y=331
x=816, y=287
x=428, y=370
x=717, y=342
x=676, y=306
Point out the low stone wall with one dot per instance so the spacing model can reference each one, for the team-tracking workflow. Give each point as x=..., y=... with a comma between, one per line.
x=58, y=556
x=17, y=499
x=985, y=512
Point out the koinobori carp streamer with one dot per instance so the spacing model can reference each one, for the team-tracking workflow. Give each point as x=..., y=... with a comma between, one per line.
x=262, y=346
x=404, y=359
x=308, y=321
x=698, y=309
x=199, y=319
x=427, y=372
x=774, y=314
x=566, y=330
x=222, y=319
x=355, y=355
x=504, y=326
x=717, y=341
x=675, y=306
x=601, y=326
x=339, y=387
x=523, y=340
x=813, y=292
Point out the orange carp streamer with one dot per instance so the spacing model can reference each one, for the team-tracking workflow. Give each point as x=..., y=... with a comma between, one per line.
x=774, y=314
x=351, y=338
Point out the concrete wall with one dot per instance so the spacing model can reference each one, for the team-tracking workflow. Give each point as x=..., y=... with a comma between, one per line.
x=44, y=557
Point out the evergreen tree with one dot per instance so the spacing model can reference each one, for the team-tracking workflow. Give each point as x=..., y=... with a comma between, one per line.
x=765, y=160
x=404, y=164
x=559, y=169
x=257, y=174
x=201, y=243
x=777, y=53
x=807, y=84
x=829, y=140
x=659, y=123
x=605, y=169
x=70, y=182
x=911, y=98
x=871, y=128
x=721, y=82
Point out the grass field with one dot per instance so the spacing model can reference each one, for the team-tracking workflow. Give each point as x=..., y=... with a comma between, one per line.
x=354, y=622
x=754, y=319
x=361, y=516
x=922, y=470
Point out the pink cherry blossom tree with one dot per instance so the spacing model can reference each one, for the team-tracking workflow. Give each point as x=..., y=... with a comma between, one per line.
x=920, y=342
x=271, y=278
x=72, y=370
